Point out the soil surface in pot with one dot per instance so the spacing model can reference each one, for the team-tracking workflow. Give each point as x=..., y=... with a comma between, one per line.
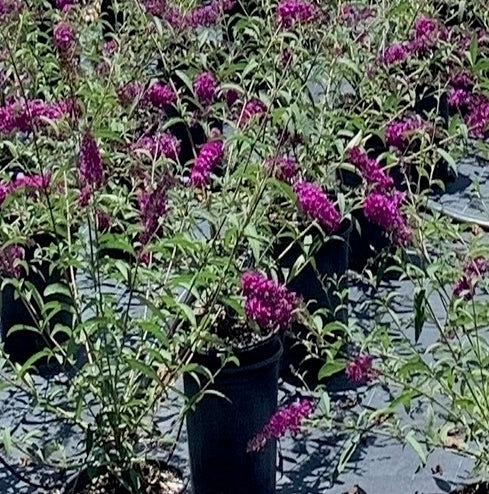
x=156, y=480
x=231, y=333
x=478, y=488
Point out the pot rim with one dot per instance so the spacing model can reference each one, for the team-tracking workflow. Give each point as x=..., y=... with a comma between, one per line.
x=260, y=364
x=212, y=356
x=233, y=350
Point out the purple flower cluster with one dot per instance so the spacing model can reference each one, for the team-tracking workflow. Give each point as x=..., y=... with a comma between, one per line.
x=473, y=270
x=360, y=369
x=399, y=132
x=459, y=98
x=21, y=116
x=209, y=158
x=462, y=80
x=35, y=182
x=164, y=144
x=4, y=192
x=102, y=221
x=130, y=92
x=460, y=92
x=62, y=4
x=384, y=210
x=153, y=205
x=64, y=39
x=9, y=9
x=90, y=168
x=200, y=16
x=205, y=87
x=426, y=34
x=316, y=205
x=205, y=15
x=478, y=116
x=110, y=47
x=397, y=52
x=251, y=109
x=285, y=419
x=169, y=12
x=155, y=7
x=370, y=169
x=267, y=303
x=283, y=168
x=9, y=261
x=474, y=105
x=290, y=12
x=160, y=96
x=464, y=38
x=29, y=182
x=231, y=96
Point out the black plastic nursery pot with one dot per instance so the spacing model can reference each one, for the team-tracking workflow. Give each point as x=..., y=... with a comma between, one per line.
x=401, y=174
x=111, y=20
x=241, y=8
x=367, y=243
x=421, y=180
x=475, y=488
x=319, y=282
x=115, y=254
x=193, y=136
x=450, y=15
x=82, y=481
x=348, y=178
x=219, y=428
x=429, y=102
x=22, y=344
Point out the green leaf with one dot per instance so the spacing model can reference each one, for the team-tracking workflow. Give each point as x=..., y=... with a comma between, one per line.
x=418, y=448
x=158, y=26
x=189, y=313
x=331, y=368
x=404, y=399
x=57, y=288
x=32, y=360
x=185, y=79
x=325, y=404
x=144, y=368
x=234, y=304
x=253, y=239
x=347, y=452
x=448, y=158
x=123, y=268
x=111, y=241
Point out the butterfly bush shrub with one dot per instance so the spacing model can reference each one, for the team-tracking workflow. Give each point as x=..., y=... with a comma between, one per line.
x=164, y=160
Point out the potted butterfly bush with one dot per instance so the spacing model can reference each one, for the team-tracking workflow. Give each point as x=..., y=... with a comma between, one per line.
x=397, y=105
x=408, y=140
x=237, y=316
x=104, y=319
x=447, y=389
x=244, y=396
x=239, y=311
x=310, y=248
x=381, y=223
x=30, y=200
